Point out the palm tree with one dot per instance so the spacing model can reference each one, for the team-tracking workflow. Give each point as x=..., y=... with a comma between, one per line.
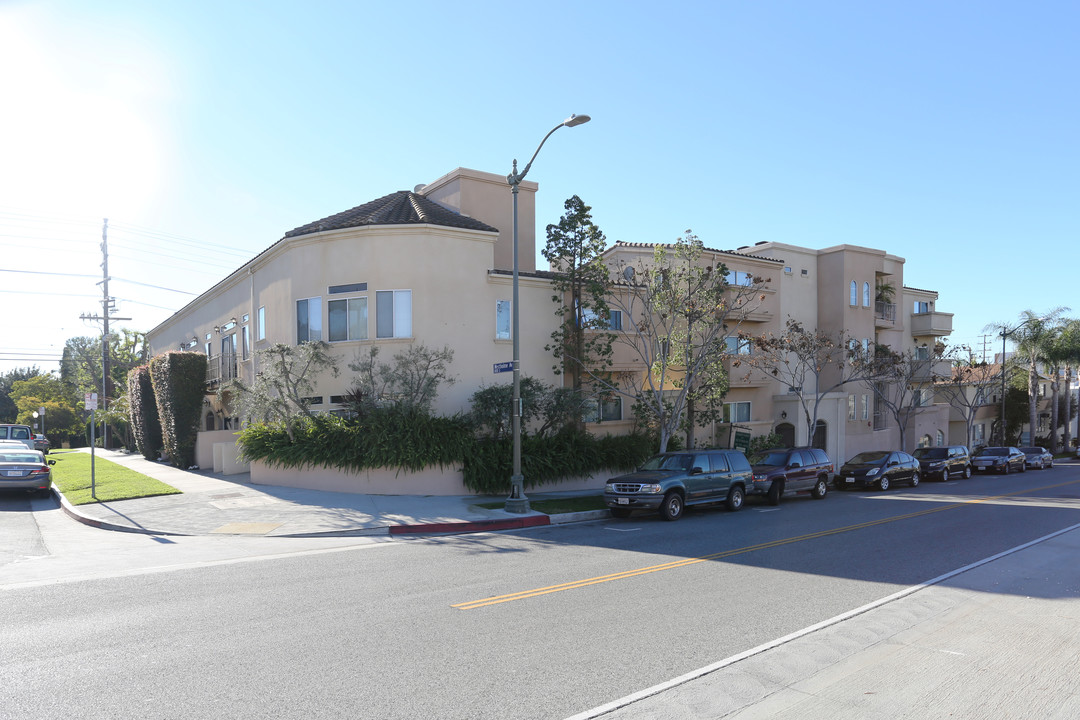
x=1033, y=339
x=1068, y=351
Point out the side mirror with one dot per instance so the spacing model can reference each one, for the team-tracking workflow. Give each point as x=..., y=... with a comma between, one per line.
x=696, y=471
x=52, y=462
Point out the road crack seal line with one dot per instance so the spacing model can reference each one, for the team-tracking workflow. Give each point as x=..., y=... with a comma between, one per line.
x=536, y=592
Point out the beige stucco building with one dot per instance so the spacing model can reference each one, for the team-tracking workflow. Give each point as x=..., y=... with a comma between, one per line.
x=433, y=266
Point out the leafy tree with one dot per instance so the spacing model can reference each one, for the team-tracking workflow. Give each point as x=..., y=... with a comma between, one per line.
x=62, y=419
x=142, y=407
x=1034, y=338
x=411, y=380
x=8, y=411
x=900, y=381
x=546, y=410
x=179, y=381
x=582, y=341
x=286, y=380
x=679, y=311
x=1068, y=352
x=809, y=363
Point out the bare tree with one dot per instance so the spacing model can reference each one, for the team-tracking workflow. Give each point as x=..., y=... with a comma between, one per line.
x=810, y=363
x=281, y=391
x=901, y=382
x=678, y=311
x=968, y=387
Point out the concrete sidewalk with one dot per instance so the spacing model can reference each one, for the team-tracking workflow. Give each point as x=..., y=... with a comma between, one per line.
x=230, y=505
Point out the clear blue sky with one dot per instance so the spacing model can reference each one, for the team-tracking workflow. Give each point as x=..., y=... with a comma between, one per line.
x=943, y=132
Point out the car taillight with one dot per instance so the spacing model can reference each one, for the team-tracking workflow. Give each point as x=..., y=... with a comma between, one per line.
x=40, y=471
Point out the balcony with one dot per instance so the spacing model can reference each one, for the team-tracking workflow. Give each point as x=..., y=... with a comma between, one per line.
x=927, y=371
x=884, y=314
x=935, y=324
x=221, y=368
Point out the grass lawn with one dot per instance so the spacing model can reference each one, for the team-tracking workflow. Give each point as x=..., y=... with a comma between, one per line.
x=71, y=474
x=557, y=506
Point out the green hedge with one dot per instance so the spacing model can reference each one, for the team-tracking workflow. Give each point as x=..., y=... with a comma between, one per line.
x=411, y=440
x=145, y=424
x=179, y=381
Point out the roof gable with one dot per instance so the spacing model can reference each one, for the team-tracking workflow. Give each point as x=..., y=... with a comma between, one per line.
x=399, y=208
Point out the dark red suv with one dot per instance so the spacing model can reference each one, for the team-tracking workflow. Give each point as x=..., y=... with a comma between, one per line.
x=785, y=470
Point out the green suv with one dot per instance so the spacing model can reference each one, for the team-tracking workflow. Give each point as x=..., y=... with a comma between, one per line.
x=671, y=481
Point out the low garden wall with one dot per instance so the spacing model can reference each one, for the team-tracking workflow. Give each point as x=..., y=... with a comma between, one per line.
x=431, y=481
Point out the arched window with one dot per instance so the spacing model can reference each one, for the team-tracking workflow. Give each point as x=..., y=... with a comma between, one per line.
x=924, y=441
x=866, y=294
x=939, y=438
x=821, y=435
x=853, y=294
x=209, y=421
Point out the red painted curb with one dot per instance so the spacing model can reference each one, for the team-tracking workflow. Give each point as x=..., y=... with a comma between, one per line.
x=531, y=521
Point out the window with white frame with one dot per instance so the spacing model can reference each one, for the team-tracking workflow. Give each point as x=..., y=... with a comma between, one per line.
x=865, y=407
x=979, y=433
x=939, y=438
x=921, y=307
x=916, y=398
x=347, y=319
x=850, y=407
x=260, y=330
x=853, y=294
x=502, y=319
x=603, y=409
x=866, y=347
x=737, y=412
x=245, y=342
x=308, y=320
x=738, y=346
x=393, y=314
x=738, y=277
x=866, y=294
x=615, y=320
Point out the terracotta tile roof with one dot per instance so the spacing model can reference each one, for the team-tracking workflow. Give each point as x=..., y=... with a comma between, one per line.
x=399, y=208
x=650, y=246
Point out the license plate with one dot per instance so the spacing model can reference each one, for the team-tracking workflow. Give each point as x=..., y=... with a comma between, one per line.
x=622, y=501
x=850, y=480
x=14, y=473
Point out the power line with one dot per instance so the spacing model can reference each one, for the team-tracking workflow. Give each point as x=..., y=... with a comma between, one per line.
x=40, y=272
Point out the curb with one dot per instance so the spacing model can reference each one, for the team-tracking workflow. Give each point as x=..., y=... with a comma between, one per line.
x=71, y=512
x=478, y=526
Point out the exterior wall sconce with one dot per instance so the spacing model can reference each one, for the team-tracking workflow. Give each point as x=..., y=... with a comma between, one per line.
x=783, y=415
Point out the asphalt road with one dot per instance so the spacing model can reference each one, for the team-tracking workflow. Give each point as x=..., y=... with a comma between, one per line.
x=544, y=623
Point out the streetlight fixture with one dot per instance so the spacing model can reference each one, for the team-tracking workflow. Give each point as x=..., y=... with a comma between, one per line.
x=517, y=502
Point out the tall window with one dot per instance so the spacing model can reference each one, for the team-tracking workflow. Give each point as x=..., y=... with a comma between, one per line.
x=979, y=433
x=866, y=294
x=865, y=407
x=393, y=313
x=615, y=320
x=736, y=412
x=245, y=342
x=850, y=407
x=939, y=438
x=347, y=319
x=308, y=320
x=260, y=331
x=502, y=319
x=853, y=294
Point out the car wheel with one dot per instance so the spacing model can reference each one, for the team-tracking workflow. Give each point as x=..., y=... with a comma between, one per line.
x=1051, y=463
x=1023, y=468
x=620, y=512
x=672, y=507
x=735, y=498
x=914, y=479
x=967, y=472
x=821, y=489
x=1005, y=471
x=776, y=491
x=883, y=483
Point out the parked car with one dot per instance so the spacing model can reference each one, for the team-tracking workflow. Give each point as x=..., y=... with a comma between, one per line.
x=41, y=444
x=1037, y=457
x=25, y=470
x=999, y=459
x=784, y=470
x=880, y=468
x=672, y=481
x=943, y=461
x=22, y=433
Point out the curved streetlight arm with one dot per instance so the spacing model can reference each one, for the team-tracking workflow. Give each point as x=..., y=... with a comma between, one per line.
x=515, y=177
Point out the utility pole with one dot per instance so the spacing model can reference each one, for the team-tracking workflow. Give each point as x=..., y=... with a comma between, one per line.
x=108, y=307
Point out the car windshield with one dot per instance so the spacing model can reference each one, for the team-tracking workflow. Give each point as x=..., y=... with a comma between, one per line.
x=778, y=458
x=867, y=458
x=668, y=462
x=938, y=453
x=994, y=451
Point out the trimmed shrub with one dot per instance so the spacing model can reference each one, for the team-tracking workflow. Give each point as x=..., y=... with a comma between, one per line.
x=145, y=423
x=179, y=382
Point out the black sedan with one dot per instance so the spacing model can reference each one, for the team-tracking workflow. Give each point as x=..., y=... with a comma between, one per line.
x=880, y=468
x=1002, y=460
x=1037, y=457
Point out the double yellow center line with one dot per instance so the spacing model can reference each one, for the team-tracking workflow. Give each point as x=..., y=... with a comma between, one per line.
x=472, y=605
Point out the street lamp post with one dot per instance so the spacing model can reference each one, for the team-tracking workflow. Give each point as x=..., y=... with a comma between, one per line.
x=1006, y=332
x=517, y=502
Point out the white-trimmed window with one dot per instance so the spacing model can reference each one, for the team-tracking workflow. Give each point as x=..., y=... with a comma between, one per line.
x=260, y=330
x=737, y=412
x=939, y=438
x=866, y=294
x=853, y=294
x=978, y=433
x=850, y=407
x=308, y=320
x=347, y=319
x=615, y=320
x=503, y=309
x=738, y=277
x=738, y=346
x=245, y=342
x=605, y=409
x=393, y=314
x=865, y=407
x=921, y=307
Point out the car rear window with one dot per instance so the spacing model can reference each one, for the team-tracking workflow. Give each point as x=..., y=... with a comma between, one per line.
x=738, y=461
x=820, y=456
